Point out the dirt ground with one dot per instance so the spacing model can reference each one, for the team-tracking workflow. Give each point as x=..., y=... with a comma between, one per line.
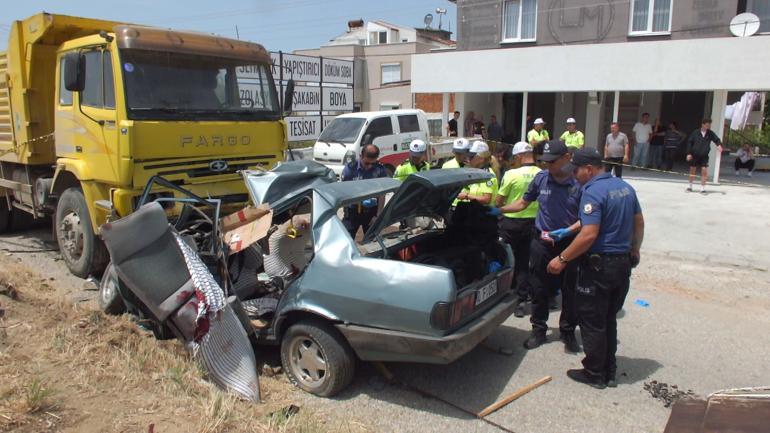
x=67, y=367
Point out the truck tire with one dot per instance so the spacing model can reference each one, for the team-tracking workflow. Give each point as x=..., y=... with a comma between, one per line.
x=83, y=252
x=5, y=215
x=316, y=358
x=110, y=299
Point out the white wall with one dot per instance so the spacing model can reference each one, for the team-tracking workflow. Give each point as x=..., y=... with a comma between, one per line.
x=485, y=104
x=731, y=63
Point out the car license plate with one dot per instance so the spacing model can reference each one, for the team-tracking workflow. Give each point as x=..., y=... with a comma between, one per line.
x=486, y=292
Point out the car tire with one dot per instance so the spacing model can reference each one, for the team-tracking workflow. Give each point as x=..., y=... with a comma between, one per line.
x=5, y=215
x=329, y=362
x=110, y=299
x=83, y=252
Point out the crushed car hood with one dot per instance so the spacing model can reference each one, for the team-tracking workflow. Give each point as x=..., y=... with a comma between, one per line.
x=427, y=193
x=281, y=184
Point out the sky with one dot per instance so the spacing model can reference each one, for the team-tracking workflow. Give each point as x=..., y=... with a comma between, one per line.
x=277, y=24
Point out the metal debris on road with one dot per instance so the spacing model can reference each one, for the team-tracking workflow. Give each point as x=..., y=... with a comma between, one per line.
x=668, y=394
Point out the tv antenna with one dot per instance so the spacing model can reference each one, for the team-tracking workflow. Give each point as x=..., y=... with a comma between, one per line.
x=441, y=12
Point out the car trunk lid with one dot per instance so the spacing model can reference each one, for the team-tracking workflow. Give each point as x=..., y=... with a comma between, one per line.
x=425, y=194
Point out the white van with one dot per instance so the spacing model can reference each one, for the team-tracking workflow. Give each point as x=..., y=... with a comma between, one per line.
x=391, y=131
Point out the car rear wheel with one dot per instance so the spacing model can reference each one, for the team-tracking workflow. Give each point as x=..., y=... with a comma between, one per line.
x=110, y=300
x=83, y=252
x=317, y=358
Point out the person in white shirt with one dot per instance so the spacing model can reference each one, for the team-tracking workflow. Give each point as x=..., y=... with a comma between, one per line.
x=642, y=133
x=744, y=158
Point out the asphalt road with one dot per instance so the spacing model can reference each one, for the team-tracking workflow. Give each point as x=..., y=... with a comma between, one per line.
x=704, y=273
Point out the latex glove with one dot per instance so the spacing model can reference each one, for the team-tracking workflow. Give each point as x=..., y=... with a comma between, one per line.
x=494, y=211
x=369, y=203
x=559, y=234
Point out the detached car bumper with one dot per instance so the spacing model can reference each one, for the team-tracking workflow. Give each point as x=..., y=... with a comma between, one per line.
x=373, y=344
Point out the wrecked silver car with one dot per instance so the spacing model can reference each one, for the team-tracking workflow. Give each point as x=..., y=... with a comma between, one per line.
x=414, y=289
x=416, y=294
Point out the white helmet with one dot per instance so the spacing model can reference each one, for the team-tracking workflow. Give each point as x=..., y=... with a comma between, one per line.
x=417, y=146
x=479, y=147
x=461, y=145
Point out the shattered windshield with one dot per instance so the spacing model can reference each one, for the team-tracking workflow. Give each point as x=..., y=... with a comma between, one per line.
x=163, y=85
x=342, y=130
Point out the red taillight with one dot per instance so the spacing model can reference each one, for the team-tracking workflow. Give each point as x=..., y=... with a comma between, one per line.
x=447, y=314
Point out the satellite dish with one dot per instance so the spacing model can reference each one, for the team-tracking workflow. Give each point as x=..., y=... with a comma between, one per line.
x=428, y=20
x=745, y=24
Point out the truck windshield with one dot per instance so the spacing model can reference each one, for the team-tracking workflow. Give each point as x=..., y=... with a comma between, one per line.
x=342, y=130
x=168, y=85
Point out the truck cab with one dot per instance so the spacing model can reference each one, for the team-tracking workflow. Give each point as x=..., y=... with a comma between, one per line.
x=128, y=102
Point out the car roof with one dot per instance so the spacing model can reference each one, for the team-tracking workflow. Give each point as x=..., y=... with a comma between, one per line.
x=370, y=114
x=342, y=193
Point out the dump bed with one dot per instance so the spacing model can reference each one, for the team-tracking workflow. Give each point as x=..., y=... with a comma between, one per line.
x=28, y=87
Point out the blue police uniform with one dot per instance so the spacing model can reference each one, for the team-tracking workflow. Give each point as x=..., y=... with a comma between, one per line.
x=361, y=214
x=605, y=270
x=558, y=208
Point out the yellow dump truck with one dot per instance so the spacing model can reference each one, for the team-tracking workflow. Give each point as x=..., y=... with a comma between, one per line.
x=91, y=109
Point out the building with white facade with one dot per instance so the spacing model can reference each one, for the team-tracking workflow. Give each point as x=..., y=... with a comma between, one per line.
x=598, y=61
x=382, y=53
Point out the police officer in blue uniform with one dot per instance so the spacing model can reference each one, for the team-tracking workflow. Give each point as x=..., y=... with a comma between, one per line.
x=607, y=247
x=558, y=196
x=366, y=167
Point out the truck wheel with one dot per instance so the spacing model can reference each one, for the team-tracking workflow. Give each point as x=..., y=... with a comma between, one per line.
x=5, y=215
x=83, y=253
x=110, y=300
x=316, y=358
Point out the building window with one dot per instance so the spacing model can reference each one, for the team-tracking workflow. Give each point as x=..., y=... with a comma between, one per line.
x=377, y=38
x=391, y=72
x=760, y=8
x=650, y=17
x=519, y=20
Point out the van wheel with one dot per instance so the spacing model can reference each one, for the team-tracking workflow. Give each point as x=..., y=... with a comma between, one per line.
x=110, y=300
x=82, y=251
x=5, y=215
x=316, y=358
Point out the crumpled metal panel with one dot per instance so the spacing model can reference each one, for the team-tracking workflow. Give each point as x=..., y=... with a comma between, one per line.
x=228, y=356
x=288, y=180
x=220, y=340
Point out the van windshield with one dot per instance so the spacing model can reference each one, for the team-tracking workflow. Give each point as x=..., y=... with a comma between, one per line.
x=342, y=130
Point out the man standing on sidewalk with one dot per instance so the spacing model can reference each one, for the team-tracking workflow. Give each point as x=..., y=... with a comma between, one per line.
x=516, y=227
x=558, y=195
x=642, y=132
x=573, y=138
x=607, y=247
x=616, y=150
x=698, y=148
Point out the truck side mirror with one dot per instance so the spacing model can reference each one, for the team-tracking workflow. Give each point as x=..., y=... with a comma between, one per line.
x=74, y=72
x=288, y=98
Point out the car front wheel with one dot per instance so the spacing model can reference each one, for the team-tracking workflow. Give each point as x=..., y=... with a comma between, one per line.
x=316, y=358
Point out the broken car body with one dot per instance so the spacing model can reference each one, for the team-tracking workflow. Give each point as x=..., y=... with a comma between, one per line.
x=414, y=294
